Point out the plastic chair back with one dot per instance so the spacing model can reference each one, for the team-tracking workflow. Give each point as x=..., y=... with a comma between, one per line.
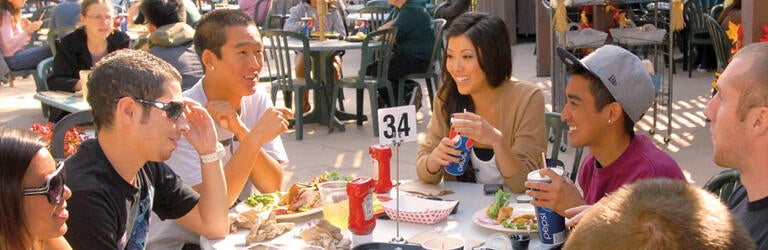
x=378, y=16
x=724, y=183
x=381, y=3
x=697, y=33
x=556, y=128
x=720, y=41
x=382, y=54
x=41, y=74
x=430, y=75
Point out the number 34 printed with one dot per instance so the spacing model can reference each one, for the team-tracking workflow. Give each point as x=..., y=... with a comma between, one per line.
x=397, y=124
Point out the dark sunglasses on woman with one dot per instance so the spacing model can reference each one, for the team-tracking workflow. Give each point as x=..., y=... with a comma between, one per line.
x=54, y=187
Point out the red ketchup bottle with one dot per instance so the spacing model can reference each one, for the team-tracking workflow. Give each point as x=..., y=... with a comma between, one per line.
x=380, y=157
x=361, y=220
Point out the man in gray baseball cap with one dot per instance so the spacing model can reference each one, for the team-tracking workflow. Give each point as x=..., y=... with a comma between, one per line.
x=607, y=93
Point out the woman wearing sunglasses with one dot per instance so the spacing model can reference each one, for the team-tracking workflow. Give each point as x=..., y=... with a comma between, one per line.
x=33, y=210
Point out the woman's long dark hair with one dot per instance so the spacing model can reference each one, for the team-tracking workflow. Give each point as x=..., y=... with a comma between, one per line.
x=488, y=34
x=17, y=148
x=5, y=5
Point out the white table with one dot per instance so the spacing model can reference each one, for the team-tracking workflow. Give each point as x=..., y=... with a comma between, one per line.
x=66, y=101
x=471, y=199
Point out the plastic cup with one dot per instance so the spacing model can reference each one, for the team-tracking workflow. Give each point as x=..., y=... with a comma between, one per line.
x=443, y=242
x=84, y=74
x=335, y=203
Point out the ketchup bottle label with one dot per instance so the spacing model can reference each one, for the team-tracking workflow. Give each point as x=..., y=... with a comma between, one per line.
x=368, y=206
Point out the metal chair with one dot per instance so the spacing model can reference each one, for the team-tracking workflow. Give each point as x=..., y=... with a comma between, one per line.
x=361, y=82
x=697, y=33
x=555, y=130
x=378, y=16
x=289, y=84
x=721, y=42
x=41, y=81
x=431, y=73
x=724, y=183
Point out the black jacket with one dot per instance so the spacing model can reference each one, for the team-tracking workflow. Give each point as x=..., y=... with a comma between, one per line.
x=72, y=55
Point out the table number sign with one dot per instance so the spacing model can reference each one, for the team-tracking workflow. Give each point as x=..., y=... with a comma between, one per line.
x=397, y=124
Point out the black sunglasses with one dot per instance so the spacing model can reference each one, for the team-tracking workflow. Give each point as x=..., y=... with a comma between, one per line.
x=53, y=189
x=173, y=109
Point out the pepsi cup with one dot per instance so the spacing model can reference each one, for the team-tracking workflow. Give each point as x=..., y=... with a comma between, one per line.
x=122, y=21
x=306, y=26
x=362, y=26
x=464, y=144
x=551, y=224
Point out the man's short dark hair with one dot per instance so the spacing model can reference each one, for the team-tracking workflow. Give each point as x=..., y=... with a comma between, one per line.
x=126, y=73
x=163, y=12
x=211, y=32
x=603, y=96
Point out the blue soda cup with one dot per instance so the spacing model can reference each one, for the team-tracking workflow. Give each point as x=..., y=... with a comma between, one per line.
x=306, y=26
x=362, y=26
x=551, y=224
x=464, y=144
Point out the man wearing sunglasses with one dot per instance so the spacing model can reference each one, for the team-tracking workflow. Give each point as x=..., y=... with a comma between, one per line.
x=118, y=178
x=249, y=127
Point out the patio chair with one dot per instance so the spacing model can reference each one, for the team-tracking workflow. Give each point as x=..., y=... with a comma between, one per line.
x=370, y=54
x=41, y=81
x=555, y=130
x=289, y=84
x=60, y=130
x=721, y=42
x=381, y=3
x=724, y=183
x=378, y=16
x=7, y=75
x=697, y=33
x=431, y=73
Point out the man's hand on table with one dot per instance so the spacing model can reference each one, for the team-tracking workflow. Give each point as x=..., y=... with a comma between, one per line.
x=559, y=195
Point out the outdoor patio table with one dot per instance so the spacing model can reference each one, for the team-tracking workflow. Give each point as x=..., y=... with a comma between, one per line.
x=63, y=100
x=469, y=195
x=321, y=53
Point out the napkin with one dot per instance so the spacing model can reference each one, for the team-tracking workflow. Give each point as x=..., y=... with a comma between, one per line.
x=419, y=187
x=421, y=237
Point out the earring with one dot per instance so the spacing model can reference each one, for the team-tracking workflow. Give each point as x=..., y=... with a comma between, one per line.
x=610, y=121
x=212, y=67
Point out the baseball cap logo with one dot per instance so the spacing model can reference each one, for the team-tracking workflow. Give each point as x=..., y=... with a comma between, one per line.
x=612, y=79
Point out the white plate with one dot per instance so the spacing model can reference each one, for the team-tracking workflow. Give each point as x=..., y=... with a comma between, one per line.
x=299, y=215
x=243, y=207
x=481, y=219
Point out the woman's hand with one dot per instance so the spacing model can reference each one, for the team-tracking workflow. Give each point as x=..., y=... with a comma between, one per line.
x=476, y=127
x=442, y=155
x=30, y=27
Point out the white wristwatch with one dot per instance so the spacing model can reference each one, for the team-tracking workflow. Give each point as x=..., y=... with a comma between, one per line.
x=215, y=156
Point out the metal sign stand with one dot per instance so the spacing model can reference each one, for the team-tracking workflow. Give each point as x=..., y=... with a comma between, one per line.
x=398, y=238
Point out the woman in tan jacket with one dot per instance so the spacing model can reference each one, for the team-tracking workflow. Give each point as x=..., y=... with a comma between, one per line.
x=504, y=116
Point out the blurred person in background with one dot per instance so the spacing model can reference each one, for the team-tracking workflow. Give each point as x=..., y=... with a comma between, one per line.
x=171, y=38
x=83, y=48
x=504, y=116
x=15, y=33
x=333, y=23
x=33, y=213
